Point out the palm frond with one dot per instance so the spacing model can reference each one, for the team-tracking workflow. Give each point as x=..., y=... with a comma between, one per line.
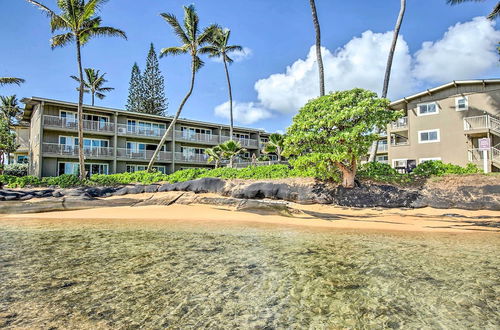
x=102, y=31
x=197, y=63
x=207, y=35
x=106, y=89
x=456, y=2
x=495, y=13
x=56, y=21
x=234, y=48
x=174, y=23
x=11, y=81
x=100, y=96
x=61, y=39
x=90, y=9
x=173, y=51
x=211, y=50
x=191, y=22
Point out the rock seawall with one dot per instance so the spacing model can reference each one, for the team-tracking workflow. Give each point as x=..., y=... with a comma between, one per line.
x=434, y=194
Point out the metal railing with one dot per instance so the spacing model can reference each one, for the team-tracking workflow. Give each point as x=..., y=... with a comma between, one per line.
x=396, y=143
x=495, y=154
x=244, y=142
x=197, y=137
x=243, y=164
x=72, y=124
x=71, y=150
x=124, y=129
x=194, y=158
x=142, y=154
x=401, y=123
x=482, y=122
x=382, y=147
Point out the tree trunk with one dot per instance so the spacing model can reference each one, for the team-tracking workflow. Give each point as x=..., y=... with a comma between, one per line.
x=348, y=178
x=388, y=68
x=174, y=120
x=231, y=161
x=278, y=152
x=93, y=98
x=81, y=160
x=231, y=126
x=318, y=48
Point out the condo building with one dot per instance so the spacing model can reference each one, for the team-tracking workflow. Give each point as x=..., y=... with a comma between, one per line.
x=117, y=141
x=446, y=123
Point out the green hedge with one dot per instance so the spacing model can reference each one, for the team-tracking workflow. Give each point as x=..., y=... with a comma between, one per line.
x=438, y=168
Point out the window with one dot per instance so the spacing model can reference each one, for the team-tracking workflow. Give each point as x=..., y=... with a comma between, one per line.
x=71, y=141
x=382, y=159
x=131, y=126
x=427, y=109
x=134, y=168
x=428, y=136
x=399, y=163
x=421, y=160
x=73, y=168
x=461, y=103
x=135, y=147
x=69, y=118
x=241, y=135
x=22, y=159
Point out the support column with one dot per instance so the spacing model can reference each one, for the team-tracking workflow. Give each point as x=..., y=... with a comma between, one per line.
x=173, y=149
x=115, y=142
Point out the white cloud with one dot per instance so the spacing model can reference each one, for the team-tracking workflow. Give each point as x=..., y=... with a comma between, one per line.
x=243, y=112
x=465, y=51
x=237, y=56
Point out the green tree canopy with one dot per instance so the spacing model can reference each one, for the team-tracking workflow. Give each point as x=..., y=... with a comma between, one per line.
x=231, y=149
x=93, y=83
x=10, y=109
x=275, y=145
x=334, y=131
x=135, y=94
x=7, y=141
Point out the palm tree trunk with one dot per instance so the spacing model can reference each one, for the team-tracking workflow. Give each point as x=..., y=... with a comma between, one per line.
x=388, y=68
x=318, y=48
x=231, y=127
x=174, y=120
x=231, y=161
x=93, y=94
x=81, y=160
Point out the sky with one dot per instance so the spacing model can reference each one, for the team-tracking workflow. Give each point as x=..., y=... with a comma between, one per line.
x=277, y=73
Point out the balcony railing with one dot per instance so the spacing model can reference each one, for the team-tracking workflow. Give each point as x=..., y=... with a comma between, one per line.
x=396, y=143
x=244, y=142
x=401, y=123
x=476, y=155
x=482, y=122
x=135, y=130
x=71, y=124
x=70, y=150
x=142, y=154
x=194, y=158
x=197, y=137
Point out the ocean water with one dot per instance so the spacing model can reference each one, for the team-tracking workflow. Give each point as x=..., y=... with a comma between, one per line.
x=107, y=275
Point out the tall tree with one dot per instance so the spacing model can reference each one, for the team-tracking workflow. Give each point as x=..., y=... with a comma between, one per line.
x=492, y=15
x=78, y=23
x=93, y=83
x=135, y=93
x=220, y=48
x=10, y=109
x=215, y=155
x=7, y=141
x=154, y=101
x=10, y=81
x=191, y=43
x=319, y=58
x=388, y=68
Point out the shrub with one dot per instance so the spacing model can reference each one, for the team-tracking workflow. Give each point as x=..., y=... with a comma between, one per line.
x=8, y=179
x=186, y=175
x=251, y=172
x=21, y=182
x=16, y=169
x=63, y=181
x=143, y=177
x=438, y=168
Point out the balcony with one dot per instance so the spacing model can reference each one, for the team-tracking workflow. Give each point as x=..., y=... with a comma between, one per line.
x=69, y=151
x=382, y=147
x=191, y=158
x=247, y=143
x=124, y=153
x=133, y=130
x=71, y=124
x=197, y=137
x=482, y=124
x=400, y=124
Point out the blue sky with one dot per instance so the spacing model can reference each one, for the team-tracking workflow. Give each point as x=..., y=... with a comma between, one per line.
x=278, y=33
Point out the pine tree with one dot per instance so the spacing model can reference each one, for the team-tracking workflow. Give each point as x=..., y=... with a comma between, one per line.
x=135, y=90
x=154, y=101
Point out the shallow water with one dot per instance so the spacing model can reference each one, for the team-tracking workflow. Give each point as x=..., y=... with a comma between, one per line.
x=109, y=275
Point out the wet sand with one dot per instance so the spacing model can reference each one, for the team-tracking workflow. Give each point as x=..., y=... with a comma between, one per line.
x=312, y=216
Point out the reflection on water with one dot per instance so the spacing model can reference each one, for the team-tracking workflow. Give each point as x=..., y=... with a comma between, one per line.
x=192, y=276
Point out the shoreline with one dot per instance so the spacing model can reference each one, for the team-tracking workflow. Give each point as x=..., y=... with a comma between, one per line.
x=322, y=217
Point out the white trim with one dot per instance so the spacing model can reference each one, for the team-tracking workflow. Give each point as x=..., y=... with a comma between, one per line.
x=421, y=160
x=427, y=114
x=466, y=98
x=85, y=113
x=399, y=159
x=76, y=163
x=428, y=131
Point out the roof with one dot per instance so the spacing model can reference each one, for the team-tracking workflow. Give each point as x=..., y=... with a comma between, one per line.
x=454, y=83
x=29, y=102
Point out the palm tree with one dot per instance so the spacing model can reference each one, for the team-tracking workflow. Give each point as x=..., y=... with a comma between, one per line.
x=318, y=48
x=275, y=145
x=10, y=110
x=93, y=83
x=385, y=88
x=79, y=23
x=191, y=41
x=231, y=149
x=493, y=15
x=215, y=155
x=10, y=81
x=219, y=48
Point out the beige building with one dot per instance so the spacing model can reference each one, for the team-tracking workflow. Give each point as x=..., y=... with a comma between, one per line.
x=445, y=123
x=117, y=141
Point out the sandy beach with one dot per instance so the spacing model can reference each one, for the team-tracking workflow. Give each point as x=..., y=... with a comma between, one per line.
x=313, y=216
